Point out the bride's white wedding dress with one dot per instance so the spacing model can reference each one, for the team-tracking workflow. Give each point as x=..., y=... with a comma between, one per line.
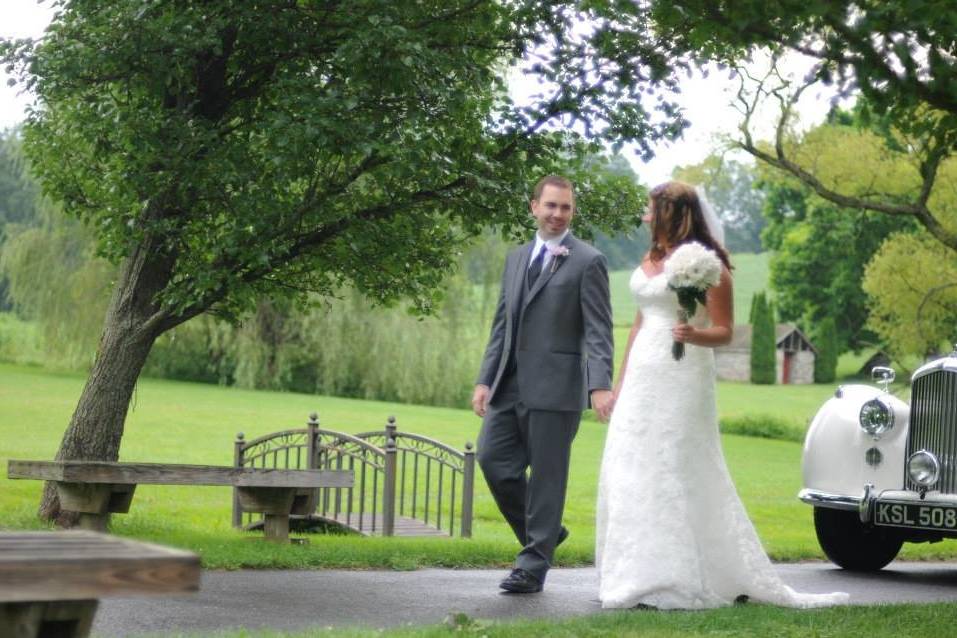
x=672, y=532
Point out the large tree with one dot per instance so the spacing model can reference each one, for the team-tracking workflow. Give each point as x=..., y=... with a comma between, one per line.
x=19, y=196
x=820, y=249
x=898, y=55
x=730, y=188
x=221, y=151
x=623, y=249
x=912, y=282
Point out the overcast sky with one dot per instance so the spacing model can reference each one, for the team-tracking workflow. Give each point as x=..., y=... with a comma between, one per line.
x=21, y=19
x=706, y=101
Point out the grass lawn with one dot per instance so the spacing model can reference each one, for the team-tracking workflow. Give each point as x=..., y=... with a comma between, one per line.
x=193, y=423
x=884, y=621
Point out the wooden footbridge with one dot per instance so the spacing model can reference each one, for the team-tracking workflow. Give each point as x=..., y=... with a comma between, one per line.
x=405, y=484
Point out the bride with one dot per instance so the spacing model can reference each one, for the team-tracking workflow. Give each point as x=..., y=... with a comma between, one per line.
x=671, y=530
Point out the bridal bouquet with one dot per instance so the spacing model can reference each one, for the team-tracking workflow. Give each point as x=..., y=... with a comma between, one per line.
x=690, y=271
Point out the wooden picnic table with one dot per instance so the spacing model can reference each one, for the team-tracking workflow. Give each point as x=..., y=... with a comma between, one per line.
x=96, y=489
x=50, y=582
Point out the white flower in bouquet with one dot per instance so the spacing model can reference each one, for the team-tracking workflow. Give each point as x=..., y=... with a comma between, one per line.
x=690, y=271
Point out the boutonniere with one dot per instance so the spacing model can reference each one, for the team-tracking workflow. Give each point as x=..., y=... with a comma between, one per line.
x=557, y=252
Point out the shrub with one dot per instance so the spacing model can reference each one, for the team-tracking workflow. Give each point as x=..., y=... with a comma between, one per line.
x=764, y=426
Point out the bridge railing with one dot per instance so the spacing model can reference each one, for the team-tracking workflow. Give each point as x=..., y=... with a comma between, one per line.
x=359, y=507
x=396, y=474
x=433, y=482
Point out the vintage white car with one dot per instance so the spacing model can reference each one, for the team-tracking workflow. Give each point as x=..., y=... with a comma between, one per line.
x=880, y=472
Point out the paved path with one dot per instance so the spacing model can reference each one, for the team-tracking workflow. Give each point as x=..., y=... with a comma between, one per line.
x=295, y=600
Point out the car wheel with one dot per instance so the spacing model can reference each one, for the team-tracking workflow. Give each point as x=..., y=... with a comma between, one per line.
x=851, y=544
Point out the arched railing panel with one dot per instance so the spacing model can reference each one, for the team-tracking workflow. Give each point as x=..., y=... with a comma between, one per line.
x=396, y=475
x=434, y=482
x=358, y=507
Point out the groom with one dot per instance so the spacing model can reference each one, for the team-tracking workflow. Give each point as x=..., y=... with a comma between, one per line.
x=550, y=350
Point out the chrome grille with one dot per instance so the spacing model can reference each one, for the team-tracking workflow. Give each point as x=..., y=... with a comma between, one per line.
x=933, y=425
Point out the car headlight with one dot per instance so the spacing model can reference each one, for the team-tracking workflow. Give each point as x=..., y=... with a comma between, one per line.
x=876, y=417
x=924, y=468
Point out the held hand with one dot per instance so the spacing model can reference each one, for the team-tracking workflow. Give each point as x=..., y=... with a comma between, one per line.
x=480, y=399
x=683, y=333
x=602, y=401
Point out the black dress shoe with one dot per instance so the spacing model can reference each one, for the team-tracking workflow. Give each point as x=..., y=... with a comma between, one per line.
x=521, y=581
x=562, y=535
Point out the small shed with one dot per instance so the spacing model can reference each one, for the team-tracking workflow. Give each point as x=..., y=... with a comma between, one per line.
x=795, y=355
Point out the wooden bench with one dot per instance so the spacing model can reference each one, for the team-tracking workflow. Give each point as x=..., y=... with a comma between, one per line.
x=96, y=489
x=50, y=582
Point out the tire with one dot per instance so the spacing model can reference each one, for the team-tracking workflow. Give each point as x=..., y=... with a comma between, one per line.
x=851, y=544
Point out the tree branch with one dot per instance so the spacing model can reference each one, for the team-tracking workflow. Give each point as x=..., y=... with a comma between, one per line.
x=856, y=51
x=303, y=244
x=781, y=161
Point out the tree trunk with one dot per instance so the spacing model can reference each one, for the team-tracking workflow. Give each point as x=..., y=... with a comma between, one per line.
x=133, y=322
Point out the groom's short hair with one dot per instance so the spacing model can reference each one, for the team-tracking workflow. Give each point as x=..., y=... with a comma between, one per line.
x=552, y=180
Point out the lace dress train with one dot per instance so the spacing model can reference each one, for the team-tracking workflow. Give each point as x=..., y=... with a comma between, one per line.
x=671, y=530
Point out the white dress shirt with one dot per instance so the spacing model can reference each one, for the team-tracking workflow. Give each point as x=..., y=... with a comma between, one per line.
x=539, y=242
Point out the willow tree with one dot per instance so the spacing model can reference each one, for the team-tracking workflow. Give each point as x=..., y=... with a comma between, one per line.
x=221, y=151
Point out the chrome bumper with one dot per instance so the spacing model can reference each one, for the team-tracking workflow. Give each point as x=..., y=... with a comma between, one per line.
x=833, y=501
x=863, y=504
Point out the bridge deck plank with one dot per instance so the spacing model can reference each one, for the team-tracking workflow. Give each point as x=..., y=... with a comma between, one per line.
x=372, y=526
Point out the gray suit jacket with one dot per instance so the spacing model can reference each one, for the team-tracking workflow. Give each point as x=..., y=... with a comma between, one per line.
x=564, y=335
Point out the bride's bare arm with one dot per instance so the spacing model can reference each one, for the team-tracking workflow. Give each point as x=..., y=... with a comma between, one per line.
x=720, y=307
x=631, y=339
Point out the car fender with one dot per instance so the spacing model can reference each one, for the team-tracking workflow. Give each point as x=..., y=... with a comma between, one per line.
x=833, y=460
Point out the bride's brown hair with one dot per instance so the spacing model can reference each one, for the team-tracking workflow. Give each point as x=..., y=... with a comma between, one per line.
x=676, y=218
